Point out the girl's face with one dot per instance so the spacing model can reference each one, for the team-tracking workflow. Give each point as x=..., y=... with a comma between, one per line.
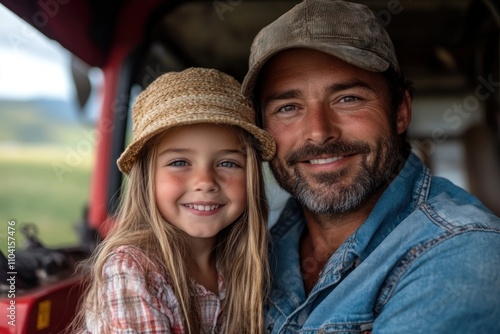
x=200, y=178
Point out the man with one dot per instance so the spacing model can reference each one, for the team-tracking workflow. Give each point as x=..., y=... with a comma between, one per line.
x=370, y=241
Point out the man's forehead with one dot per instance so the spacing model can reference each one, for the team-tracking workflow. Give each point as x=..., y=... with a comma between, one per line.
x=288, y=68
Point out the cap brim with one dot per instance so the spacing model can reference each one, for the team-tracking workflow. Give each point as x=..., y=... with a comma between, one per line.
x=358, y=57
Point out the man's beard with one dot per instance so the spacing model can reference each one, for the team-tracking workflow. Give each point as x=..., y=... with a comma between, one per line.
x=334, y=192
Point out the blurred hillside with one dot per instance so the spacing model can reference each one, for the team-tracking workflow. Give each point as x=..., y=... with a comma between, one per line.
x=40, y=121
x=46, y=154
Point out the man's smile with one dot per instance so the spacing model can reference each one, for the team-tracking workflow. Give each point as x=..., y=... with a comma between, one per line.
x=324, y=161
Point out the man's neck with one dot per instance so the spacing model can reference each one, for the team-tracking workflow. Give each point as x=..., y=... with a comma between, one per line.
x=319, y=242
x=324, y=234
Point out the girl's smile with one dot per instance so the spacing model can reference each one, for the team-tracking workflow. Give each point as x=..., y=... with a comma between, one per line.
x=204, y=209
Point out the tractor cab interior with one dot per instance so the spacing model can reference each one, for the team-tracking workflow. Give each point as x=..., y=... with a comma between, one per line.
x=448, y=48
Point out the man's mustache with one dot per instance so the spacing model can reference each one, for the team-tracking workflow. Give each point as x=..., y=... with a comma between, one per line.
x=337, y=148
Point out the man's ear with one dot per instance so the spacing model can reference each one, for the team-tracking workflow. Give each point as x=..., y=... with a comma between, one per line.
x=404, y=114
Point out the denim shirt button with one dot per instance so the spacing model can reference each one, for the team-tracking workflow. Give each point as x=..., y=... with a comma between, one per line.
x=270, y=328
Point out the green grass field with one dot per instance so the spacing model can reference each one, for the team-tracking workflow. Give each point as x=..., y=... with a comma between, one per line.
x=45, y=185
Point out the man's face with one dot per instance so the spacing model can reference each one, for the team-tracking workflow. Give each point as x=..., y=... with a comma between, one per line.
x=336, y=142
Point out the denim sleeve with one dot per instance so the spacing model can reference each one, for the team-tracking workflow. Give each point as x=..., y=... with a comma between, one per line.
x=451, y=287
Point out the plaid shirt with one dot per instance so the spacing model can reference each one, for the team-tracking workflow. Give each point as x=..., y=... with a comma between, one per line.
x=135, y=307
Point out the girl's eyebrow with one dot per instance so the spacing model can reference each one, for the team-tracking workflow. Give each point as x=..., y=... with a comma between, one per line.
x=173, y=150
x=232, y=151
x=187, y=150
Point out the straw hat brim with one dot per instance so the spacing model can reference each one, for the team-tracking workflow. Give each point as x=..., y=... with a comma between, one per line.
x=266, y=149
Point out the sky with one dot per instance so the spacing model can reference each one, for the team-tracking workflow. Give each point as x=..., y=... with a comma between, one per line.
x=31, y=65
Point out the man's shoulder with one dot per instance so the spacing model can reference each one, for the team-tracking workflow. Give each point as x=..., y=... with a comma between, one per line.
x=456, y=209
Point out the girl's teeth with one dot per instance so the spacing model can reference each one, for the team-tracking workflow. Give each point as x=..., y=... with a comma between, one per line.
x=324, y=161
x=202, y=207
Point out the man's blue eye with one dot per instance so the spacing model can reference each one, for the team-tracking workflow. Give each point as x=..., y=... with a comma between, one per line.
x=347, y=99
x=286, y=108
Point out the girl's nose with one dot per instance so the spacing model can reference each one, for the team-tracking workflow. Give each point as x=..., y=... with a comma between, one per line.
x=205, y=180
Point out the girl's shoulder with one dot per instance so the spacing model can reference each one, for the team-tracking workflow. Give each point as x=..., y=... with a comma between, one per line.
x=134, y=262
x=132, y=270
x=128, y=252
x=128, y=255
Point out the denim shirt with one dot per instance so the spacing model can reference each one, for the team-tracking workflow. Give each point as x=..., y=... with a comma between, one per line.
x=426, y=260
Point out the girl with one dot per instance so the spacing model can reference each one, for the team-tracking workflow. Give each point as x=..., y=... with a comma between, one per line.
x=188, y=252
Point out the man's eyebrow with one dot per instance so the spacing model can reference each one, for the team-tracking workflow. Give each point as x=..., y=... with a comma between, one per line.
x=336, y=87
x=355, y=83
x=289, y=94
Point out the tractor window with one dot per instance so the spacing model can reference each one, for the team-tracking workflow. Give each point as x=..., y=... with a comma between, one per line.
x=47, y=136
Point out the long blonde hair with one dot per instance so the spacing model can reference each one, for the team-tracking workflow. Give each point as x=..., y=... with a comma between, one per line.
x=241, y=250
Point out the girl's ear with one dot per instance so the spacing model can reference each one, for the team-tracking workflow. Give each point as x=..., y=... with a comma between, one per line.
x=404, y=114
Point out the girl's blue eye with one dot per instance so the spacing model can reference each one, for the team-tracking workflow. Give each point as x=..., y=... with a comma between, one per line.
x=229, y=164
x=178, y=163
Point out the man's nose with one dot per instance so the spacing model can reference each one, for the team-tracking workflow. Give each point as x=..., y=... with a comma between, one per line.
x=321, y=125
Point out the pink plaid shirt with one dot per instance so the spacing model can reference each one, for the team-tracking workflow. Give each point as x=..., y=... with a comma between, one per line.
x=135, y=307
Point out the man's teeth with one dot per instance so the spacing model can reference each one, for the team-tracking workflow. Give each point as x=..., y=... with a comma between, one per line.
x=202, y=207
x=324, y=161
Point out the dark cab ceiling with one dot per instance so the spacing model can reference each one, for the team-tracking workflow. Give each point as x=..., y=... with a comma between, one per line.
x=441, y=44
x=423, y=30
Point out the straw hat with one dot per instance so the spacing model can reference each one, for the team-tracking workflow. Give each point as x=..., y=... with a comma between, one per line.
x=195, y=95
